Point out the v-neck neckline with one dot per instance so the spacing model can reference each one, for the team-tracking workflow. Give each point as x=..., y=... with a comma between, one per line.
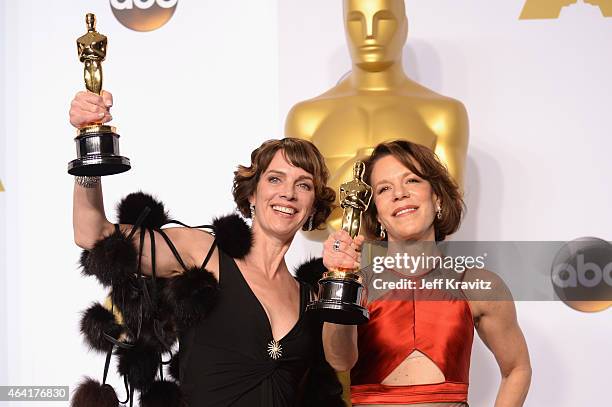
x=262, y=310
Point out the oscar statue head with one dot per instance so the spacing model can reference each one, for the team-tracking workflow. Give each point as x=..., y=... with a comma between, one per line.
x=358, y=170
x=376, y=31
x=90, y=20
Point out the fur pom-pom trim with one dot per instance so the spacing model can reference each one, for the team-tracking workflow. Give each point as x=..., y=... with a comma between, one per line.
x=112, y=260
x=128, y=299
x=163, y=394
x=140, y=364
x=311, y=271
x=233, y=235
x=190, y=296
x=130, y=208
x=174, y=369
x=159, y=334
x=90, y=393
x=97, y=321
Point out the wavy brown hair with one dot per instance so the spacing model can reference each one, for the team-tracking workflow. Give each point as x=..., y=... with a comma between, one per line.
x=424, y=163
x=297, y=152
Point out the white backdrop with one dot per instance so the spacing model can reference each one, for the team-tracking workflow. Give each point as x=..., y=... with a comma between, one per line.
x=194, y=97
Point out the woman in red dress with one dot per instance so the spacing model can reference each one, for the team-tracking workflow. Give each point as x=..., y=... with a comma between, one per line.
x=415, y=350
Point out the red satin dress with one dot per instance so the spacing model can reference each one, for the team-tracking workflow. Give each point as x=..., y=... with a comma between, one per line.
x=438, y=323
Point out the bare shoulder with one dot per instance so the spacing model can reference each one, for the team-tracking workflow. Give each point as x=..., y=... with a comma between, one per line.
x=192, y=246
x=201, y=250
x=486, y=292
x=194, y=243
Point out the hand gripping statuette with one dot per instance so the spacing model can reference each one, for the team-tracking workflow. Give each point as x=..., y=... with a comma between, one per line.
x=98, y=144
x=341, y=297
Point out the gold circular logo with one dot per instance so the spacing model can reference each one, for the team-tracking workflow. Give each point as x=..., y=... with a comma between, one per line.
x=581, y=274
x=143, y=15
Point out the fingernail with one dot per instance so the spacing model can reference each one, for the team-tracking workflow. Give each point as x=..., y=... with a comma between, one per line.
x=101, y=114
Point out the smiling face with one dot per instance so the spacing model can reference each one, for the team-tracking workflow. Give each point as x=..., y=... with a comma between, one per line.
x=283, y=199
x=406, y=203
x=376, y=31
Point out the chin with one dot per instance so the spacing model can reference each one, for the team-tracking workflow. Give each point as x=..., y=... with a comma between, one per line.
x=283, y=232
x=411, y=234
x=373, y=64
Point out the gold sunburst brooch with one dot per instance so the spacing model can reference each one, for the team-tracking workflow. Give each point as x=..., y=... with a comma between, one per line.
x=275, y=350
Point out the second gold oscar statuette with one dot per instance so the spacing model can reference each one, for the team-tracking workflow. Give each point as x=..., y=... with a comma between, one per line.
x=341, y=294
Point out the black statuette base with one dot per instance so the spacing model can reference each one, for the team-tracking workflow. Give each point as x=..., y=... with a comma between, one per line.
x=340, y=302
x=98, y=155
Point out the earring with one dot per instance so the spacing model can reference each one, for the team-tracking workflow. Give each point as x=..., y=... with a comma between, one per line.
x=310, y=222
x=439, y=213
x=383, y=232
x=252, y=208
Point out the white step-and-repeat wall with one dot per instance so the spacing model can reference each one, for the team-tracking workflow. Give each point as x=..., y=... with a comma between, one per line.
x=195, y=96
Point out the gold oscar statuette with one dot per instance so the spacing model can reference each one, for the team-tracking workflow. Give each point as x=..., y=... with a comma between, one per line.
x=97, y=144
x=341, y=296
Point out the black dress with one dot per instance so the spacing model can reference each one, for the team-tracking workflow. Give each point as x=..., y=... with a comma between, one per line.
x=230, y=358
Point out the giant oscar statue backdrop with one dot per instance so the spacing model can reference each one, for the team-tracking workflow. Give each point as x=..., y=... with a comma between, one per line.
x=377, y=102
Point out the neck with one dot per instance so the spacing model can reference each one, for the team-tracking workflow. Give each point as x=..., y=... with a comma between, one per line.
x=267, y=254
x=411, y=257
x=386, y=79
x=414, y=248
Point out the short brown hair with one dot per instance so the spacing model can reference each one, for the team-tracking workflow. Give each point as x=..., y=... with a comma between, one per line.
x=298, y=152
x=431, y=170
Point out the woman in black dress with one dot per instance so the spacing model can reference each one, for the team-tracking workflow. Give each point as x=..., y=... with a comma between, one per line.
x=254, y=346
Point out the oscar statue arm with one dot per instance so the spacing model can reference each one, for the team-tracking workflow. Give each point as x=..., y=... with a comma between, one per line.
x=452, y=139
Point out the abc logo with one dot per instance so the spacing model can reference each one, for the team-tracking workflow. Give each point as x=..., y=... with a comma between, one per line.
x=586, y=274
x=582, y=274
x=143, y=15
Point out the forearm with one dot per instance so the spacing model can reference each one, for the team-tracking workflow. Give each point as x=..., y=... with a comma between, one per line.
x=513, y=388
x=88, y=218
x=340, y=345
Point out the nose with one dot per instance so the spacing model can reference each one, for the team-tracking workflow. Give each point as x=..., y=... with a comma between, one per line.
x=369, y=27
x=288, y=193
x=402, y=192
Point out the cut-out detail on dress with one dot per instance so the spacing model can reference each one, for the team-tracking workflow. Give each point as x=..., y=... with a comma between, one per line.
x=416, y=362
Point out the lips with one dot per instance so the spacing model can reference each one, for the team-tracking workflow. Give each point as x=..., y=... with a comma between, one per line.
x=405, y=210
x=284, y=209
x=370, y=48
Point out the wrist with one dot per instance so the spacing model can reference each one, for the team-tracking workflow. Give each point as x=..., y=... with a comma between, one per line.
x=87, y=182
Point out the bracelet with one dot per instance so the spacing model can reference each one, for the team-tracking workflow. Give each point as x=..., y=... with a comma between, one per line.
x=87, y=182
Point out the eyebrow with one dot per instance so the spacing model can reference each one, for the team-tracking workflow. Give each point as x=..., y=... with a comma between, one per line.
x=301, y=177
x=404, y=174
x=359, y=13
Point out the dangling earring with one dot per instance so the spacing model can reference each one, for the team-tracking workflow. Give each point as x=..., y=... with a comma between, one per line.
x=439, y=213
x=310, y=222
x=252, y=208
x=383, y=232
